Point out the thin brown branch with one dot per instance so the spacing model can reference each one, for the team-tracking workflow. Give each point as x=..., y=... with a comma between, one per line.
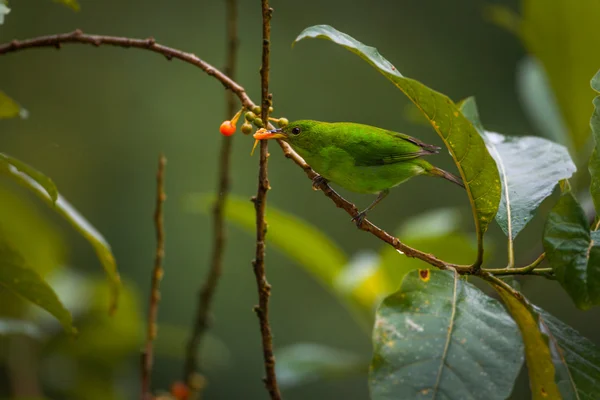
x=170, y=53
x=207, y=292
x=260, y=203
x=157, y=273
x=150, y=44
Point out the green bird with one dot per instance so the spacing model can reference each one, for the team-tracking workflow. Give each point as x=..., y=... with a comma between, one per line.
x=360, y=158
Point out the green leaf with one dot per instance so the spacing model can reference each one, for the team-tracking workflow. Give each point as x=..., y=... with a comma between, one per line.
x=594, y=163
x=14, y=167
x=302, y=363
x=441, y=337
x=558, y=357
x=20, y=279
x=573, y=252
x=4, y=10
x=539, y=102
x=69, y=213
x=530, y=168
x=563, y=34
x=72, y=4
x=10, y=108
x=477, y=168
x=576, y=358
x=313, y=250
x=537, y=353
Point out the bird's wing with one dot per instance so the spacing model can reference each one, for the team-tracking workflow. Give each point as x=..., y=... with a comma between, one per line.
x=397, y=147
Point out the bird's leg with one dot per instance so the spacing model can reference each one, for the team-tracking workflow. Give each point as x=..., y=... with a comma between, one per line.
x=318, y=181
x=360, y=217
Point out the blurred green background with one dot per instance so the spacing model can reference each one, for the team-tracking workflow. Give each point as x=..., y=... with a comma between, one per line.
x=98, y=119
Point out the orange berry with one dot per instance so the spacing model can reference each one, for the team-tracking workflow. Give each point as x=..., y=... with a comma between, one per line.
x=180, y=391
x=227, y=128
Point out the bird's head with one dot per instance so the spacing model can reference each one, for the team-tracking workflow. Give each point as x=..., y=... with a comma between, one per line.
x=298, y=133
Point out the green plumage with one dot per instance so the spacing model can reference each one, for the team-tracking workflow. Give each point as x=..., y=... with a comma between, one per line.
x=361, y=158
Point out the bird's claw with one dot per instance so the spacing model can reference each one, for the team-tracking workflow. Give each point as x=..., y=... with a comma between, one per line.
x=359, y=218
x=317, y=182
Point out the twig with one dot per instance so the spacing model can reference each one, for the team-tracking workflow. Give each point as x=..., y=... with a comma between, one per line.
x=260, y=203
x=518, y=271
x=207, y=291
x=157, y=273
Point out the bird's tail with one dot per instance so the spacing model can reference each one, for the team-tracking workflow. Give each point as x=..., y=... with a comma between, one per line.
x=435, y=171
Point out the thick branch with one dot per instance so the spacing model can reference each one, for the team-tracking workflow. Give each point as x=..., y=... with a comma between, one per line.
x=157, y=273
x=260, y=203
x=207, y=292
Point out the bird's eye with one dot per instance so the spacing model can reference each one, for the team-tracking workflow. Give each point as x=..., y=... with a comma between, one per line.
x=295, y=130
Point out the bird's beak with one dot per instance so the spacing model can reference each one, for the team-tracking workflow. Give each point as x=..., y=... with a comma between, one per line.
x=262, y=134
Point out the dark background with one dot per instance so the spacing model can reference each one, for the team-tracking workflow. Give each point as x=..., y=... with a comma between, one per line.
x=100, y=117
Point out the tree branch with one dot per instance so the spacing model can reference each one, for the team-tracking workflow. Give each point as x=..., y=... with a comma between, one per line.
x=208, y=289
x=170, y=53
x=157, y=273
x=260, y=203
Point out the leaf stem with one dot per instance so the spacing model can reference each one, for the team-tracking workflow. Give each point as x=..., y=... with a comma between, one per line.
x=206, y=295
x=511, y=254
x=157, y=273
x=518, y=271
x=260, y=203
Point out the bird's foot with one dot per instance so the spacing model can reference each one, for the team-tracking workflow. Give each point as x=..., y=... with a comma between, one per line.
x=359, y=218
x=317, y=182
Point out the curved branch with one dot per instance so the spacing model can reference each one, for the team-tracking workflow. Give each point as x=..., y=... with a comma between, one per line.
x=170, y=53
x=260, y=204
x=77, y=36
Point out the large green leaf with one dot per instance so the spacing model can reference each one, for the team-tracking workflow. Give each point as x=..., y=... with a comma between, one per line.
x=20, y=279
x=299, y=240
x=573, y=251
x=594, y=164
x=530, y=168
x=477, y=168
x=302, y=363
x=13, y=167
x=537, y=353
x=69, y=213
x=559, y=359
x=441, y=337
x=576, y=358
x=563, y=35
